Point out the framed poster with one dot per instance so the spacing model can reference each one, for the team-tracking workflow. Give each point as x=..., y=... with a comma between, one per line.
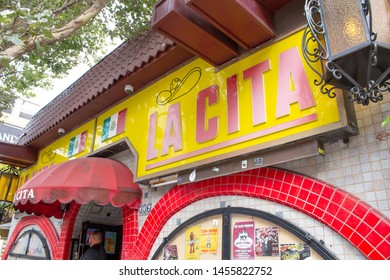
x=294, y=251
x=110, y=242
x=267, y=241
x=208, y=240
x=192, y=249
x=243, y=240
x=170, y=252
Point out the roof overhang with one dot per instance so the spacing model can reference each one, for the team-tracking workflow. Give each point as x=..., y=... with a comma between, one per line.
x=217, y=30
x=115, y=93
x=207, y=30
x=17, y=155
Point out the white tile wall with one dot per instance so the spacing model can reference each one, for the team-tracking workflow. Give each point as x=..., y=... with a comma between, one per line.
x=333, y=241
x=361, y=167
x=109, y=215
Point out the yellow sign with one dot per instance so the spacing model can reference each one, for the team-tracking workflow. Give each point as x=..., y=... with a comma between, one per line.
x=75, y=144
x=196, y=115
x=208, y=240
x=9, y=179
x=192, y=243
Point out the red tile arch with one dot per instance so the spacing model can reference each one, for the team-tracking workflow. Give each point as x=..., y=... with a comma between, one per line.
x=355, y=220
x=130, y=232
x=65, y=239
x=46, y=226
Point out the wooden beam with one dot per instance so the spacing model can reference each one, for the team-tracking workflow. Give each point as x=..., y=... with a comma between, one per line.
x=17, y=155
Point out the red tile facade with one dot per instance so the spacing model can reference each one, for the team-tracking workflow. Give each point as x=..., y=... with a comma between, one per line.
x=352, y=218
x=63, y=248
x=43, y=223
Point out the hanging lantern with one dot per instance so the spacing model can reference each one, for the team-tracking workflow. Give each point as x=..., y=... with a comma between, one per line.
x=351, y=38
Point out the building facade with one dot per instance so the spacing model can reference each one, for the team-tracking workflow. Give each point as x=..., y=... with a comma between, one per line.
x=226, y=149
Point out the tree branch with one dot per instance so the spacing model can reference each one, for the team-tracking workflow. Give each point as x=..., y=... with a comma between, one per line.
x=57, y=34
x=64, y=7
x=3, y=75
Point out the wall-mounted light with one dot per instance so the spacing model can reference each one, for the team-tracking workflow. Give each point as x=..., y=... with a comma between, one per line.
x=164, y=181
x=351, y=39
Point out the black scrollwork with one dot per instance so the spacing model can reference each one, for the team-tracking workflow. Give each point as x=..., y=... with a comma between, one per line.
x=176, y=87
x=332, y=76
x=329, y=90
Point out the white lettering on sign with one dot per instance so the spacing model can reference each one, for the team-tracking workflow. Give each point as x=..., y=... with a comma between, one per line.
x=6, y=137
x=24, y=194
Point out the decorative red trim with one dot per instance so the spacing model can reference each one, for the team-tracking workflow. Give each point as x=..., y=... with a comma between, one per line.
x=65, y=239
x=352, y=218
x=130, y=232
x=45, y=225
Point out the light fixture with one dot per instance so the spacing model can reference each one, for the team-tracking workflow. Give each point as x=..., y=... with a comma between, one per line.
x=164, y=181
x=351, y=39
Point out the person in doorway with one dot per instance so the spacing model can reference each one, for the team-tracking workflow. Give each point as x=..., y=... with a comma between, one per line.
x=96, y=250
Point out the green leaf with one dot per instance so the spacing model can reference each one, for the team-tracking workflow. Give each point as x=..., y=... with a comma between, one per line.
x=14, y=38
x=47, y=33
x=37, y=68
x=38, y=45
x=386, y=121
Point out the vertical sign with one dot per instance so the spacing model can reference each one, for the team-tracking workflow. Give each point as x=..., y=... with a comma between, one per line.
x=267, y=241
x=208, y=240
x=192, y=243
x=243, y=240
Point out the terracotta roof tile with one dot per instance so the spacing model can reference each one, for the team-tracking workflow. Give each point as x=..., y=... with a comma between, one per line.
x=127, y=58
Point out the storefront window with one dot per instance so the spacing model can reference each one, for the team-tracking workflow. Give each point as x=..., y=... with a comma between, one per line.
x=199, y=241
x=30, y=245
x=239, y=234
x=254, y=238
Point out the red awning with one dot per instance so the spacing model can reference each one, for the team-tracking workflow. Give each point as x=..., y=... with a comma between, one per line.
x=81, y=180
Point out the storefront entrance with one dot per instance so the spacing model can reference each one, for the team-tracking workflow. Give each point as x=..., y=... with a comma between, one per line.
x=112, y=236
x=242, y=234
x=69, y=201
x=106, y=219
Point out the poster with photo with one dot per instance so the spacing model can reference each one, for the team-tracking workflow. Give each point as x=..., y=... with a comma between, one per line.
x=170, y=252
x=208, y=240
x=294, y=251
x=243, y=240
x=267, y=241
x=110, y=242
x=192, y=249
